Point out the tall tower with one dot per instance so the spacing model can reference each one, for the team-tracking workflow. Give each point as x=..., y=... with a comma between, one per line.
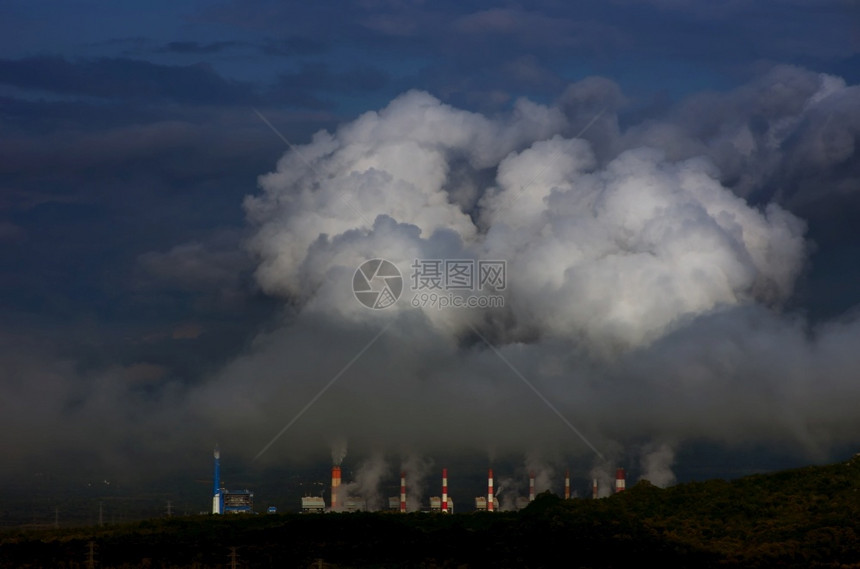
x=594, y=489
x=444, y=490
x=567, y=484
x=216, y=491
x=403, y=492
x=335, y=488
x=490, y=491
x=531, y=486
x=619, y=480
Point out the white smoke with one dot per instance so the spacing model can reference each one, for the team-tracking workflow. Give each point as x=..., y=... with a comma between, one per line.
x=617, y=256
x=417, y=468
x=507, y=490
x=365, y=488
x=338, y=451
x=543, y=473
x=657, y=463
x=605, y=477
x=644, y=297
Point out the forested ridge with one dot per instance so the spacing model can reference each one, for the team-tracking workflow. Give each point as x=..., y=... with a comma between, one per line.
x=805, y=517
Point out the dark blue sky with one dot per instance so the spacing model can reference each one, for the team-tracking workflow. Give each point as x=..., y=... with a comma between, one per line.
x=130, y=140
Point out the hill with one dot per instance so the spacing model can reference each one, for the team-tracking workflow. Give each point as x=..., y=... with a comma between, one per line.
x=807, y=517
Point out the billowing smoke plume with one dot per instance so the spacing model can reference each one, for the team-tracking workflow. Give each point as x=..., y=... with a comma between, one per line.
x=605, y=476
x=507, y=490
x=417, y=468
x=543, y=473
x=650, y=269
x=613, y=257
x=643, y=294
x=365, y=488
x=657, y=465
x=338, y=451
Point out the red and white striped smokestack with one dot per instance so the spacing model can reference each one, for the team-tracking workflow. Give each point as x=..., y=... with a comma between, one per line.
x=402, y=492
x=444, y=490
x=531, y=486
x=594, y=488
x=335, y=484
x=619, y=480
x=567, y=484
x=490, y=507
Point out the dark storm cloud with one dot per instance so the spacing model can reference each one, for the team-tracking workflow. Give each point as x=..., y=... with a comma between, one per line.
x=194, y=47
x=214, y=273
x=124, y=182
x=608, y=31
x=309, y=86
x=125, y=79
x=293, y=46
x=137, y=81
x=196, y=266
x=817, y=29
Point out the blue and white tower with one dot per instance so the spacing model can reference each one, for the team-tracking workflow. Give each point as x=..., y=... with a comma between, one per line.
x=217, y=496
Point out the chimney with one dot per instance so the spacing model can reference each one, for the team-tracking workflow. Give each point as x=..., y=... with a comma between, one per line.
x=444, y=490
x=531, y=486
x=402, y=492
x=335, y=488
x=619, y=480
x=490, y=491
x=567, y=484
x=594, y=488
x=216, y=494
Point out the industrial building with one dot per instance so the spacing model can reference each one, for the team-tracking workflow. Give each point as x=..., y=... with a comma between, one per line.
x=237, y=501
x=436, y=505
x=229, y=501
x=481, y=503
x=313, y=505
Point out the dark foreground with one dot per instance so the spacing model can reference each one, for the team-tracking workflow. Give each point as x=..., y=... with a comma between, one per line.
x=806, y=518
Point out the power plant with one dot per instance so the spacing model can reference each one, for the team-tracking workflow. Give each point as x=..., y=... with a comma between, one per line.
x=226, y=501
x=241, y=501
